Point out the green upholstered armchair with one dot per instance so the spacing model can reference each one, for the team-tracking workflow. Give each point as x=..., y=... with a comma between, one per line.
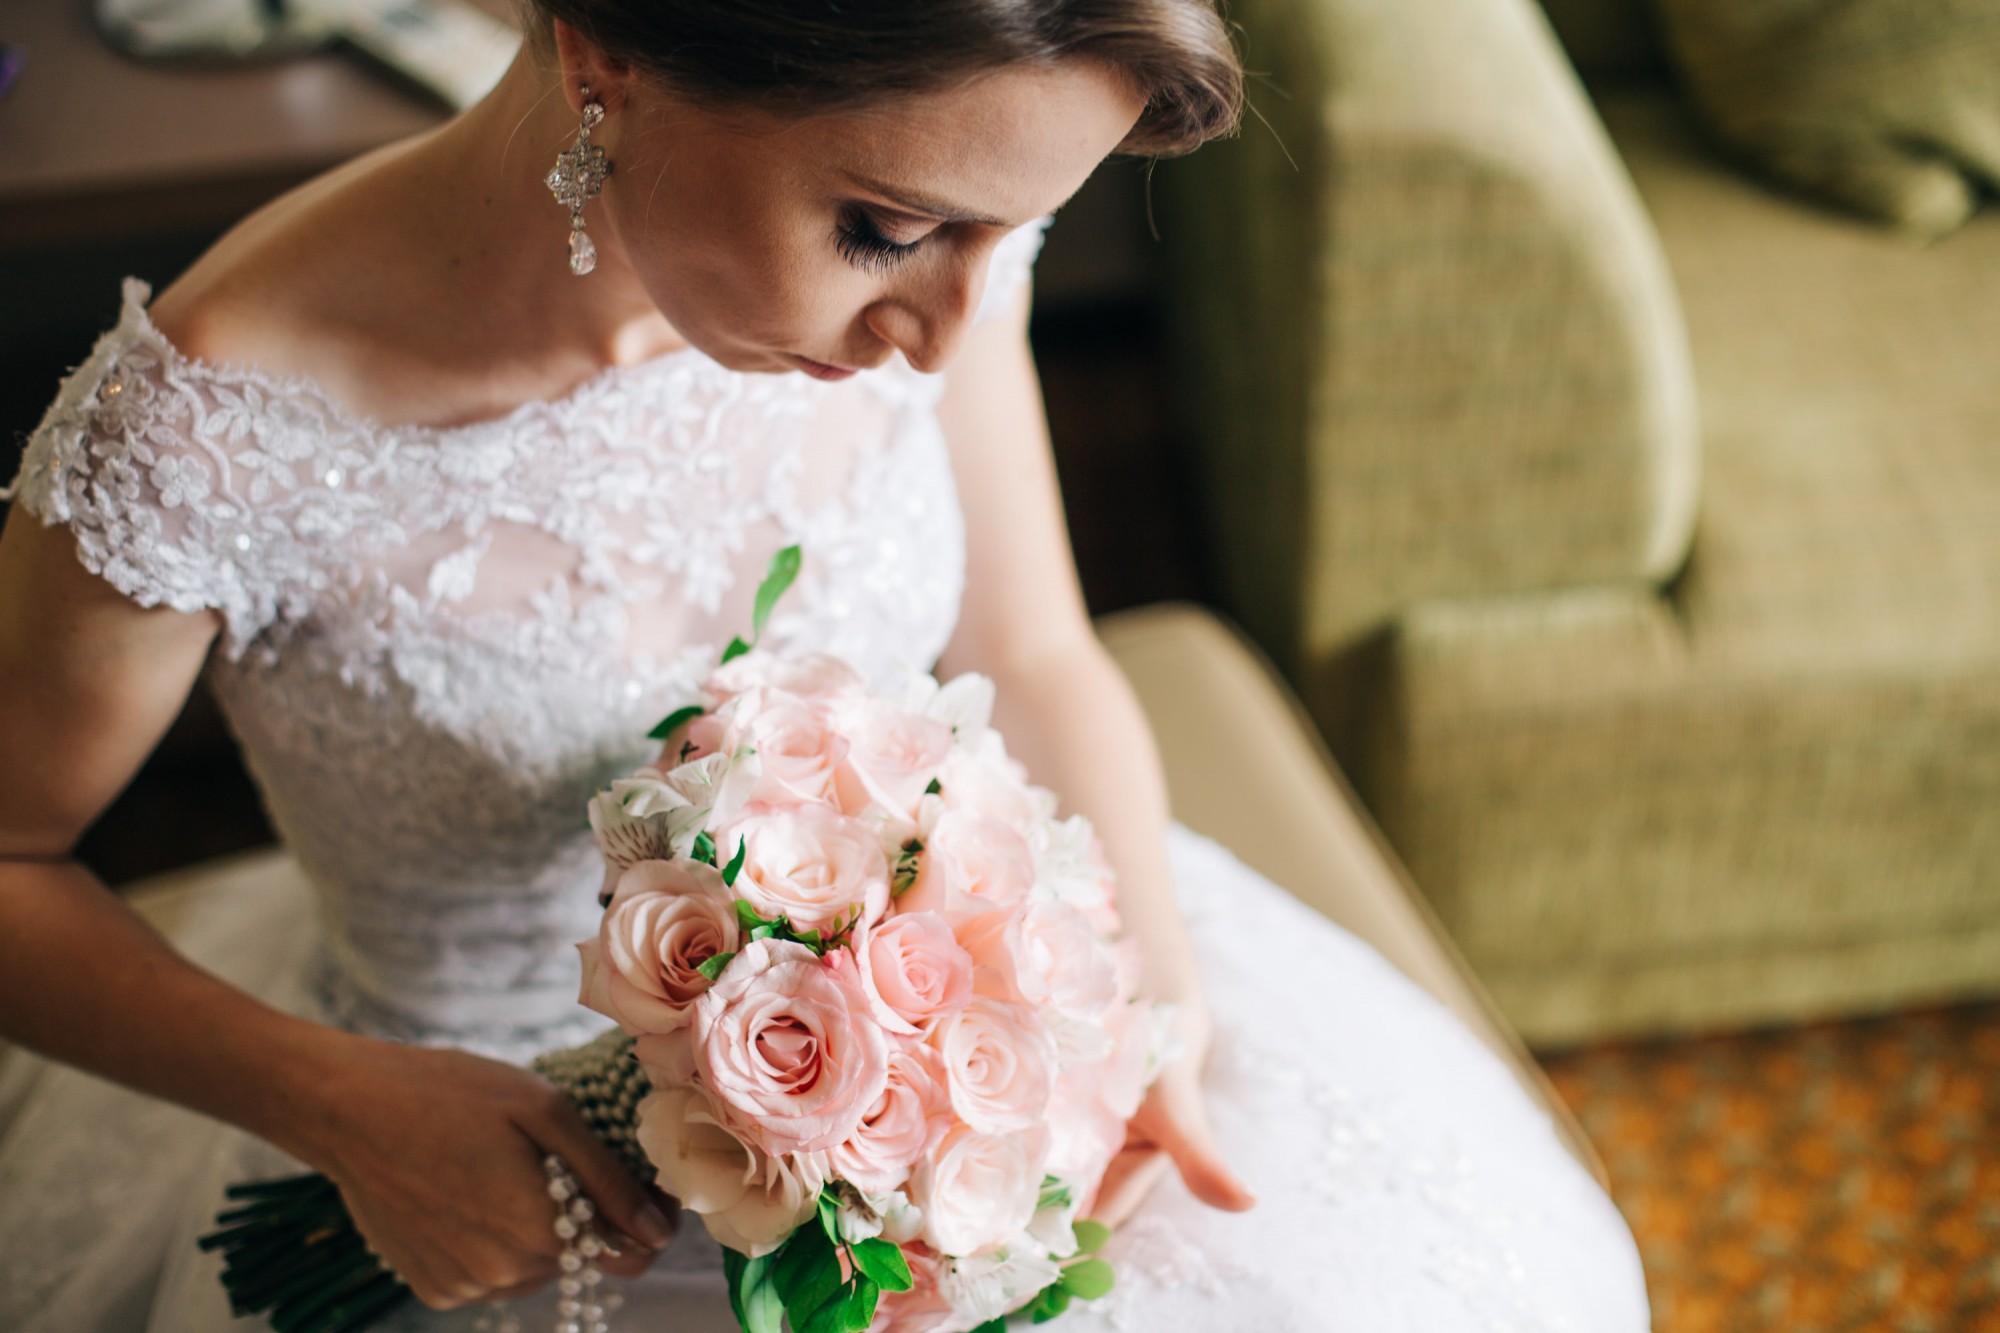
x=1630, y=527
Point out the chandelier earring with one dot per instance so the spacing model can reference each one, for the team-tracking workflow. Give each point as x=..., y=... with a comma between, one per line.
x=578, y=175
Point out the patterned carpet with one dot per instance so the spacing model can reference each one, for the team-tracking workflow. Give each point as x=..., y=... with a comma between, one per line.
x=1832, y=1178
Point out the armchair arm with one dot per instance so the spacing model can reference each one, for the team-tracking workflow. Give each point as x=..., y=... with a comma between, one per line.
x=1427, y=330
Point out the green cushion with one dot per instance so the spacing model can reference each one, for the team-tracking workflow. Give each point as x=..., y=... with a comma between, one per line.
x=1889, y=107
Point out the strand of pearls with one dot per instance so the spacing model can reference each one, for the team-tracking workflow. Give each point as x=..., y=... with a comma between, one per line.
x=585, y=1300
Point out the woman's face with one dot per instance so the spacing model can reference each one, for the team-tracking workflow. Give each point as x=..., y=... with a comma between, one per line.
x=827, y=243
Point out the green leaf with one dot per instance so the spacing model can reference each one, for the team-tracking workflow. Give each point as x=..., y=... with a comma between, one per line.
x=746, y=915
x=784, y=568
x=675, y=720
x=829, y=1215
x=763, y=932
x=763, y=1308
x=1054, y=1194
x=704, y=848
x=807, y=1273
x=850, y=1309
x=735, y=650
x=809, y=938
x=933, y=789
x=751, y=1296
x=1049, y=1302
x=735, y=866
x=712, y=967
x=993, y=1326
x=883, y=1262
x=1090, y=1236
x=1088, y=1279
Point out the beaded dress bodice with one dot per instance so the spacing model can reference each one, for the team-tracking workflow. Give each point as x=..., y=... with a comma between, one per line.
x=437, y=644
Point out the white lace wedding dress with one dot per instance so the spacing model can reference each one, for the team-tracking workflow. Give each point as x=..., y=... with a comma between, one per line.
x=438, y=643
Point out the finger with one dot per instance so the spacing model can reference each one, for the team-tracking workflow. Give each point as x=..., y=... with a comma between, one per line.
x=1127, y=1181
x=1182, y=1131
x=620, y=1201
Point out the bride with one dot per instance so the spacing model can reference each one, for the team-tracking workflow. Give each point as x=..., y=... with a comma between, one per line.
x=450, y=469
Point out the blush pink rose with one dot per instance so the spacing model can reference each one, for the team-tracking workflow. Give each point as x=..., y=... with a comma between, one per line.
x=892, y=756
x=999, y=1062
x=1050, y=956
x=819, y=678
x=970, y=864
x=992, y=785
x=923, y=1308
x=1083, y=1135
x=748, y=1200
x=665, y=920
x=979, y=1190
x=904, y=1123
x=914, y=969
x=786, y=1043
x=797, y=747
x=812, y=864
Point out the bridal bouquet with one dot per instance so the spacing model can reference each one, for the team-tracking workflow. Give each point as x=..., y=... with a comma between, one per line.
x=876, y=1025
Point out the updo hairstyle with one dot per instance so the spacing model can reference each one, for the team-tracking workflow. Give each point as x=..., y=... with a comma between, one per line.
x=806, y=56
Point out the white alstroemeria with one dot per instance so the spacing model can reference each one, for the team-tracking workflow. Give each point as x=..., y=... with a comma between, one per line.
x=1066, y=870
x=965, y=704
x=719, y=785
x=1054, y=1228
x=855, y=1219
x=902, y=1221
x=638, y=819
x=986, y=1286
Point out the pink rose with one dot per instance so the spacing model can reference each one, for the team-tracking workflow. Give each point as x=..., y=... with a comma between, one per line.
x=992, y=785
x=977, y=1189
x=665, y=920
x=1050, y=956
x=999, y=1063
x=795, y=743
x=748, y=1200
x=1083, y=1135
x=819, y=678
x=906, y=1121
x=812, y=864
x=892, y=756
x=914, y=969
x=786, y=1043
x=970, y=864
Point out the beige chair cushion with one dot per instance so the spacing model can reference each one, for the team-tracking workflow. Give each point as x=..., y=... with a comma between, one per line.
x=1890, y=107
x=1245, y=767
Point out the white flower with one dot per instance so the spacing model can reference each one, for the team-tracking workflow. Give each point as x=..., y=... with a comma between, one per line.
x=1054, y=1229
x=986, y=1286
x=1066, y=870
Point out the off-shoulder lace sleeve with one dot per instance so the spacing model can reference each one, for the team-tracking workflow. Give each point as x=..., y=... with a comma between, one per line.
x=1013, y=263
x=159, y=470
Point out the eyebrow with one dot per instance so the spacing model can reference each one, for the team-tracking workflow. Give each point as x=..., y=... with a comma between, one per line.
x=916, y=202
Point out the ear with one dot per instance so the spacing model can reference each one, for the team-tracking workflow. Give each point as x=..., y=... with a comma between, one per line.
x=582, y=62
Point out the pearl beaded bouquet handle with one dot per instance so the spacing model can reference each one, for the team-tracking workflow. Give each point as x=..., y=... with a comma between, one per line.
x=877, y=1024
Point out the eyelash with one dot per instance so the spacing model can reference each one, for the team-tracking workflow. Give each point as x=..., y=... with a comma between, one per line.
x=861, y=242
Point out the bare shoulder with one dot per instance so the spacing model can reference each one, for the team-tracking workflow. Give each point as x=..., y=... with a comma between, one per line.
x=294, y=288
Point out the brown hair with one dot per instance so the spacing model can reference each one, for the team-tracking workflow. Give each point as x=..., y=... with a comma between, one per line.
x=820, y=55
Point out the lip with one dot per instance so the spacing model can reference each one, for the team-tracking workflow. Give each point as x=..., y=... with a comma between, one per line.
x=820, y=370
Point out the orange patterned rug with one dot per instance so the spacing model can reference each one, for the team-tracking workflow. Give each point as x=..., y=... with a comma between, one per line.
x=1832, y=1178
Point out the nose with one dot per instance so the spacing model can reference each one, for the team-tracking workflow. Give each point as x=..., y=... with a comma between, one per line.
x=926, y=320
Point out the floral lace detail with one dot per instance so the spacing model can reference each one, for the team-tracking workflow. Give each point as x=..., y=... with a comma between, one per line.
x=438, y=643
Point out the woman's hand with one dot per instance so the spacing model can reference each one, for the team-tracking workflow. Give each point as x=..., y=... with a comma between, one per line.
x=438, y=1154
x=1171, y=1131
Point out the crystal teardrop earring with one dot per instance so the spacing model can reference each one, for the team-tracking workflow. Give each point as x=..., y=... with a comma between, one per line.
x=577, y=176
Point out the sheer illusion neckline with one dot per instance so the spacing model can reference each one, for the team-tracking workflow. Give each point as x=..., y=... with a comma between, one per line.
x=137, y=292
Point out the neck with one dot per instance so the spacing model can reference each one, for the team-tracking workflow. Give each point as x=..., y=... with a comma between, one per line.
x=483, y=180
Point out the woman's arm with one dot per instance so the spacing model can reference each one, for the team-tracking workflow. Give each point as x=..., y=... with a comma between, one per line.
x=1066, y=710
x=437, y=1152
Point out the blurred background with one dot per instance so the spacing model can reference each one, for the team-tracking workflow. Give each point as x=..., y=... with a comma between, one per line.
x=1593, y=409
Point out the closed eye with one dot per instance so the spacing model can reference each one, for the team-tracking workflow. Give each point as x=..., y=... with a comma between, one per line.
x=861, y=242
